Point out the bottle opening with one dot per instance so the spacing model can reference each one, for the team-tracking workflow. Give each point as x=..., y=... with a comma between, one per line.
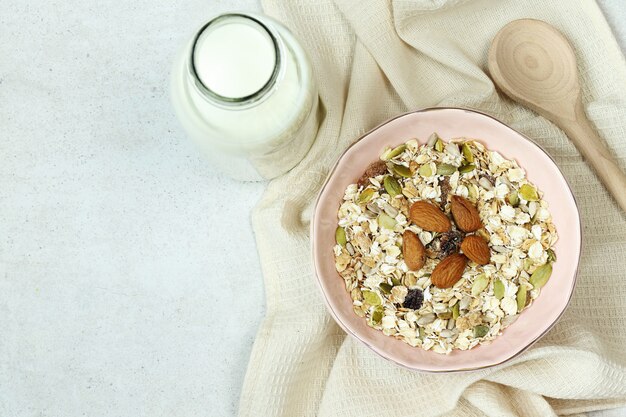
x=235, y=58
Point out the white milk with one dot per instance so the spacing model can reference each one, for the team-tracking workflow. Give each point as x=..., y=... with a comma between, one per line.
x=235, y=59
x=244, y=92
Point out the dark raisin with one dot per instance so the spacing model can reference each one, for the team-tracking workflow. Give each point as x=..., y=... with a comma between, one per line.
x=413, y=299
x=445, y=189
x=375, y=169
x=449, y=243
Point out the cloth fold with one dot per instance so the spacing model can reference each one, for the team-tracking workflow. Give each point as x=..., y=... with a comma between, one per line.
x=374, y=59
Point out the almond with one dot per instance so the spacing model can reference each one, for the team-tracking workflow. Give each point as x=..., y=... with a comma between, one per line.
x=477, y=249
x=449, y=271
x=465, y=214
x=413, y=251
x=429, y=217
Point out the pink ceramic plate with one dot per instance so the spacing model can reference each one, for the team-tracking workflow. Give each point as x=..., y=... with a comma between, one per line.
x=449, y=123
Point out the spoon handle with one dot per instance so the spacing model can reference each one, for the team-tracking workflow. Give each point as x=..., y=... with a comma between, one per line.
x=592, y=148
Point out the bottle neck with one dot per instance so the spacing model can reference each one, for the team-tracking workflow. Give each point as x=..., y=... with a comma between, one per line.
x=236, y=61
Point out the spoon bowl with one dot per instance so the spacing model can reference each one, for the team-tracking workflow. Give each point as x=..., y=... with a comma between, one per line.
x=534, y=64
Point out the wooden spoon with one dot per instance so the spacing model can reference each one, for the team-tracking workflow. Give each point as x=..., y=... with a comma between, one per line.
x=534, y=64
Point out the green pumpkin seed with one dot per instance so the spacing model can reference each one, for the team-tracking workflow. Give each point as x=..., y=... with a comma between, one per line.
x=528, y=263
x=467, y=152
x=385, y=288
x=481, y=330
x=421, y=333
x=396, y=151
x=498, y=289
x=439, y=145
x=522, y=293
x=445, y=169
x=425, y=170
x=528, y=192
x=480, y=283
x=472, y=192
x=446, y=315
x=340, y=236
x=402, y=171
x=396, y=281
x=377, y=315
x=366, y=195
x=386, y=221
x=392, y=186
x=467, y=168
x=541, y=275
x=371, y=298
x=551, y=255
x=455, y=311
x=512, y=198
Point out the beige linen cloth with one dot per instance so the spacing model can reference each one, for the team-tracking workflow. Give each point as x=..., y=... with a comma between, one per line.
x=374, y=59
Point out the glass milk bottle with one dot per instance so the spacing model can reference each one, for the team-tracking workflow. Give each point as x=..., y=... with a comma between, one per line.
x=244, y=92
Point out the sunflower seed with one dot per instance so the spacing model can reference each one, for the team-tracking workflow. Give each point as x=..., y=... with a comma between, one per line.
x=432, y=140
x=508, y=320
x=392, y=212
x=427, y=319
x=485, y=183
x=446, y=333
x=465, y=302
x=373, y=207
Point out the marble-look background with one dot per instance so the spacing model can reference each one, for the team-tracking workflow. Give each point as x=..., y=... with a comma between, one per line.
x=129, y=279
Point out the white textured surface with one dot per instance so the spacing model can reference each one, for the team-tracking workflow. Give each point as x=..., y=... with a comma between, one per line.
x=129, y=281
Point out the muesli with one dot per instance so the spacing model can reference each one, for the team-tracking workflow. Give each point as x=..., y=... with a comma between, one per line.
x=443, y=245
